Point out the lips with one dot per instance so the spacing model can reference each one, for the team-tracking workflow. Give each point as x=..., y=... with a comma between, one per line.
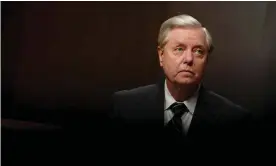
x=187, y=71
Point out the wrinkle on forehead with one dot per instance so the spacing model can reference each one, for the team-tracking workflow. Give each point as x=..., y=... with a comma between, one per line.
x=194, y=36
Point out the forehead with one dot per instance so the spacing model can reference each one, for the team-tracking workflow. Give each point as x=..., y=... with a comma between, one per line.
x=187, y=36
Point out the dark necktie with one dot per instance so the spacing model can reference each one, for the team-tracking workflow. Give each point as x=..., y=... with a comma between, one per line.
x=175, y=124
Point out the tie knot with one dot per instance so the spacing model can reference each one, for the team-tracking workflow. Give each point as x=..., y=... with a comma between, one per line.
x=178, y=109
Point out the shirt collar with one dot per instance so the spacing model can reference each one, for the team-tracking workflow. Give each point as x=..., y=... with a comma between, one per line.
x=190, y=102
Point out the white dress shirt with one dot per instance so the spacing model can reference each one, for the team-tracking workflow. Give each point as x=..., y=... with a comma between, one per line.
x=187, y=116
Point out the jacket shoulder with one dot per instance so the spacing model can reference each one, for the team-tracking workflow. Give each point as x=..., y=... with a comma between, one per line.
x=134, y=103
x=223, y=101
x=142, y=90
x=225, y=108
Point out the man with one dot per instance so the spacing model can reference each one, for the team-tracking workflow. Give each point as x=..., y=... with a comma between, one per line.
x=188, y=113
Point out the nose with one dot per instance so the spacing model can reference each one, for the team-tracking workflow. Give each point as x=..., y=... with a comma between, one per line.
x=188, y=57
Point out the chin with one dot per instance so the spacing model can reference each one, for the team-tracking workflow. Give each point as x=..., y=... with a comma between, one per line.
x=185, y=82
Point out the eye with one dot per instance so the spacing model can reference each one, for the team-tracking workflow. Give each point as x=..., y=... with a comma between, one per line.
x=199, y=51
x=179, y=49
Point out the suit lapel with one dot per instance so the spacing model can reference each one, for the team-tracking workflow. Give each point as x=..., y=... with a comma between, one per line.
x=204, y=116
x=160, y=98
x=152, y=105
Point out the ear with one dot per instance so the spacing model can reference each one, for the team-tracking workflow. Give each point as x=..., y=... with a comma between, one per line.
x=160, y=55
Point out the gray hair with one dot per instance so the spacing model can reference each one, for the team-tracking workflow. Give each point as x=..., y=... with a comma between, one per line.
x=185, y=21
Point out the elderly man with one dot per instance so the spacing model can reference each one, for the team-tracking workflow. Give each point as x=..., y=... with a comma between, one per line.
x=179, y=102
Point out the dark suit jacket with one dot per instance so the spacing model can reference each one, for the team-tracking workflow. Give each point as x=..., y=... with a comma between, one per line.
x=138, y=116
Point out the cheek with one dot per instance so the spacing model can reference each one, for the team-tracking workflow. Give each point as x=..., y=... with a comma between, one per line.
x=170, y=65
x=199, y=67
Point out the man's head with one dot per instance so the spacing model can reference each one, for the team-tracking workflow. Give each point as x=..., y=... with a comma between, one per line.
x=183, y=46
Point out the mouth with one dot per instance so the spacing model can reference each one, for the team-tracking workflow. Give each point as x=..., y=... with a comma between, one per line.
x=187, y=71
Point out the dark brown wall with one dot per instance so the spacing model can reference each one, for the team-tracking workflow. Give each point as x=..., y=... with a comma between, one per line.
x=269, y=50
x=68, y=55
x=72, y=55
x=79, y=49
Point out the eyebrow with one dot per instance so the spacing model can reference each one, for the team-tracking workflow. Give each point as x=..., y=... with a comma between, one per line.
x=200, y=46
x=197, y=45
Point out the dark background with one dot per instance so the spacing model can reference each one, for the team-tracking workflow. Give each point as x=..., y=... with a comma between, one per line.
x=61, y=61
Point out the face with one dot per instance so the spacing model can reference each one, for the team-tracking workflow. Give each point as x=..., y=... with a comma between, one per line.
x=184, y=57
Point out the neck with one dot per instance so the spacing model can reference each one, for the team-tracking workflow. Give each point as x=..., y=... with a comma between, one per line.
x=181, y=92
